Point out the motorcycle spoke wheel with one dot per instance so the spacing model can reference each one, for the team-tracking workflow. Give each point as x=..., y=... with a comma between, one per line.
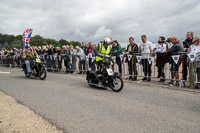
x=117, y=84
x=42, y=73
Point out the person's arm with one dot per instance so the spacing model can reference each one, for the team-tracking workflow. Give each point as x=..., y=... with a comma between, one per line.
x=139, y=49
x=151, y=49
x=35, y=53
x=173, y=49
x=96, y=51
x=24, y=55
x=119, y=51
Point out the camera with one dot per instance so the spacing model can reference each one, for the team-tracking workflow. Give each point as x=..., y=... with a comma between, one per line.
x=168, y=40
x=161, y=41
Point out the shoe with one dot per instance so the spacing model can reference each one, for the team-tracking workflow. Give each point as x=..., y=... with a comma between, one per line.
x=80, y=73
x=149, y=79
x=176, y=85
x=144, y=78
x=130, y=77
x=134, y=79
x=197, y=87
x=169, y=83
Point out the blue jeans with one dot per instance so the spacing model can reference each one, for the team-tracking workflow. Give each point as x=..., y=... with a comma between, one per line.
x=28, y=66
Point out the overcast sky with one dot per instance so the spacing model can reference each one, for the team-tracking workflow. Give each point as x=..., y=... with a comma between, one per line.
x=92, y=20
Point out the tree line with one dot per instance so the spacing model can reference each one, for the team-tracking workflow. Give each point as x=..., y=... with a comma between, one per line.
x=11, y=41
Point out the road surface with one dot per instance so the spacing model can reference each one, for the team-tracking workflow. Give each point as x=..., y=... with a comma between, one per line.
x=69, y=103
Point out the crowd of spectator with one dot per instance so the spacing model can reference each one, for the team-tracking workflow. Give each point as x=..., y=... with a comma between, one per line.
x=85, y=56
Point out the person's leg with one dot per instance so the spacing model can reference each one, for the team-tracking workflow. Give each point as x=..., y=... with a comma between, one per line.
x=159, y=73
x=90, y=62
x=65, y=63
x=80, y=67
x=198, y=76
x=130, y=69
x=173, y=70
x=149, y=70
x=163, y=74
x=177, y=78
x=84, y=65
x=144, y=69
x=28, y=66
x=74, y=64
x=134, y=71
x=185, y=68
x=120, y=66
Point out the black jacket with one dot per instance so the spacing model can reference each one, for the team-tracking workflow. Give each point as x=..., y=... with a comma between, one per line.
x=134, y=48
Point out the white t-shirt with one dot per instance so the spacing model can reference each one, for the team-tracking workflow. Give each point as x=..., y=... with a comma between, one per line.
x=161, y=48
x=194, y=49
x=145, y=49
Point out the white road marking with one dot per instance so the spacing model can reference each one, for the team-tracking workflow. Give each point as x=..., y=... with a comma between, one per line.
x=4, y=72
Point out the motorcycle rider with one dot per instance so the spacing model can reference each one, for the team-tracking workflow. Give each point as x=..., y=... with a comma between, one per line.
x=28, y=54
x=103, y=49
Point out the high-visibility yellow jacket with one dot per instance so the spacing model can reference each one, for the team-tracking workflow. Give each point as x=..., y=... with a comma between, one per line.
x=102, y=50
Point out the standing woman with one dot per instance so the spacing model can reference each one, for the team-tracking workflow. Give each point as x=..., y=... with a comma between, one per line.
x=117, y=51
x=194, y=49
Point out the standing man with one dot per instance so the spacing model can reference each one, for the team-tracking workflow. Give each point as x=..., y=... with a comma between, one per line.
x=186, y=45
x=85, y=50
x=174, y=50
x=146, y=48
x=81, y=55
x=131, y=49
x=65, y=55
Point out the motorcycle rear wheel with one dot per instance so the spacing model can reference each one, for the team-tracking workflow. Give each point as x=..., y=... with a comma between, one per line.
x=43, y=73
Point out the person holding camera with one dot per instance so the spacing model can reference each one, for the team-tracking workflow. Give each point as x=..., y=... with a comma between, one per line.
x=146, y=48
x=161, y=49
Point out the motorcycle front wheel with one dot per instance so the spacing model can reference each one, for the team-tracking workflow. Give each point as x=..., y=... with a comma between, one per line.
x=43, y=73
x=117, y=84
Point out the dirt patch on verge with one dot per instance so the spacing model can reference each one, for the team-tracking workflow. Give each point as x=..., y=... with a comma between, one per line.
x=16, y=118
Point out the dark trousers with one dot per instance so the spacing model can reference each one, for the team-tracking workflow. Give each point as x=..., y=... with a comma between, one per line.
x=93, y=65
x=184, y=71
x=119, y=63
x=161, y=73
x=132, y=68
x=82, y=65
x=146, y=67
x=67, y=64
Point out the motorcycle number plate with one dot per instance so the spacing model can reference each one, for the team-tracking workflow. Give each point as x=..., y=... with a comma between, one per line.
x=110, y=72
x=38, y=60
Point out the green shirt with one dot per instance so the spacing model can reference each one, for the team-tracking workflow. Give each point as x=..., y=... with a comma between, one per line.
x=118, y=48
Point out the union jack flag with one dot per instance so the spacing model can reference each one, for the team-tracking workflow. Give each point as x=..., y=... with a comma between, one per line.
x=26, y=36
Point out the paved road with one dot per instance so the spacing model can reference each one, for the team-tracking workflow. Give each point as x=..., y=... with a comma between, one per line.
x=68, y=102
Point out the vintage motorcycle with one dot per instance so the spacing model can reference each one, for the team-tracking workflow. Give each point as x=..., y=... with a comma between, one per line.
x=105, y=77
x=37, y=68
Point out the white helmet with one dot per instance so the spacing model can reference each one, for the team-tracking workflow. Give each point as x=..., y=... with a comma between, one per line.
x=107, y=41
